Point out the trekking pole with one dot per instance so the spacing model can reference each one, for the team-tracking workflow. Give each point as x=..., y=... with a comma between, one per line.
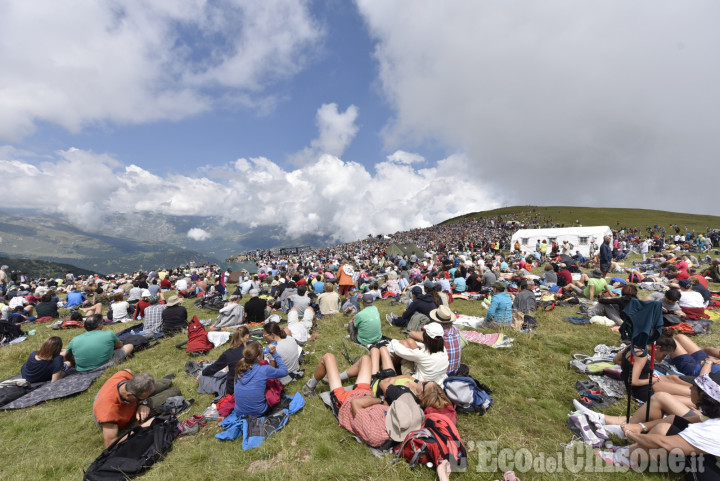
x=652, y=374
x=629, y=395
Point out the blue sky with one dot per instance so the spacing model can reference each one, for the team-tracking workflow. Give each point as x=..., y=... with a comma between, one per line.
x=339, y=117
x=340, y=70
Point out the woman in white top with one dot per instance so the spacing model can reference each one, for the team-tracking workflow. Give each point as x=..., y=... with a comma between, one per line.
x=690, y=435
x=429, y=356
x=689, y=297
x=119, y=308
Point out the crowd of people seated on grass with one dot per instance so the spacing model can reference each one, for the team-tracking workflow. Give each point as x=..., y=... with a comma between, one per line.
x=400, y=381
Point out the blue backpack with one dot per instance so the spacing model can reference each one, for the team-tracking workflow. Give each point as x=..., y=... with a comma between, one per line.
x=468, y=395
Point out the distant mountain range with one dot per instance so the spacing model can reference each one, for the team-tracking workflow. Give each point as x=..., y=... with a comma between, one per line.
x=138, y=241
x=37, y=269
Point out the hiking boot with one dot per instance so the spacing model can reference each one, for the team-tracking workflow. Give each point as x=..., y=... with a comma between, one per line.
x=192, y=425
x=307, y=391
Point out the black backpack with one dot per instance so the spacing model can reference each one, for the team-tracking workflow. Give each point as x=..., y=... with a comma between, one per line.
x=143, y=447
x=9, y=331
x=9, y=394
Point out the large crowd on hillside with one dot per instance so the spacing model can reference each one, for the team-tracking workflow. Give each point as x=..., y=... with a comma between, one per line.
x=400, y=383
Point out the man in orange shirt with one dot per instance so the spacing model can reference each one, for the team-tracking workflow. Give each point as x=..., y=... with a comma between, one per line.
x=121, y=400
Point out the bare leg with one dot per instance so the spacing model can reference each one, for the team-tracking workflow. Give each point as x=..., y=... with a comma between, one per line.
x=386, y=358
x=365, y=373
x=686, y=343
x=662, y=403
x=354, y=370
x=328, y=365
x=375, y=359
x=94, y=309
x=672, y=385
x=712, y=352
x=128, y=348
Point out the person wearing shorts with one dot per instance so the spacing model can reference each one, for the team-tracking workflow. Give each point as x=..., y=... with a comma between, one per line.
x=688, y=357
x=357, y=410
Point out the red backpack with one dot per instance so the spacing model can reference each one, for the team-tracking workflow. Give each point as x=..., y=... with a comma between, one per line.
x=197, y=337
x=437, y=440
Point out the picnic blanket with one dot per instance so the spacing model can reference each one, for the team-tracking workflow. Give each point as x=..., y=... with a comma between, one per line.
x=67, y=386
x=494, y=340
x=255, y=430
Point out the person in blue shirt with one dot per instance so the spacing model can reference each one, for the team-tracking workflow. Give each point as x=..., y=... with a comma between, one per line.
x=74, y=298
x=318, y=286
x=251, y=375
x=459, y=284
x=500, y=309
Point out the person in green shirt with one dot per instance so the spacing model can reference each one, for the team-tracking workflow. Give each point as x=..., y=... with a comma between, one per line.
x=96, y=347
x=591, y=286
x=367, y=322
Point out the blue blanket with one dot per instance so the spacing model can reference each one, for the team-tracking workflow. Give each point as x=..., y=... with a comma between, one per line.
x=255, y=430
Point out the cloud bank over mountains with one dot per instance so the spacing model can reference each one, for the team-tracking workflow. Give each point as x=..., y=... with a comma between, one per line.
x=327, y=196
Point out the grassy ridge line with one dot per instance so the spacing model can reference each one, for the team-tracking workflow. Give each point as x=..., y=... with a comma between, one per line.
x=603, y=216
x=37, y=268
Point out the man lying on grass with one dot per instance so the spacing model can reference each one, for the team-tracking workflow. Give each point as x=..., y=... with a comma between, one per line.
x=122, y=400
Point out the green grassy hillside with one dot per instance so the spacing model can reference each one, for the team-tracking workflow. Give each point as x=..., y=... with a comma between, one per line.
x=533, y=391
x=614, y=217
x=533, y=384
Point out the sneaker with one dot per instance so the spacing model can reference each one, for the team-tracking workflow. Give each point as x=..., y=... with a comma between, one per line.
x=599, y=417
x=617, y=458
x=307, y=391
x=389, y=318
x=192, y=425
x=599, y=429
x=581, y=423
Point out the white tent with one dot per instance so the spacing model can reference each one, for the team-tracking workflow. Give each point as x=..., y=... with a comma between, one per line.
x=580, y=237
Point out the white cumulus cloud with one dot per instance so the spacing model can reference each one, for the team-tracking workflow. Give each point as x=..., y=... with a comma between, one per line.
x=403, y=157
x=77, y=63
x=336, y=131
x=198, y=234
x=328, y=196
x=562, y=102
